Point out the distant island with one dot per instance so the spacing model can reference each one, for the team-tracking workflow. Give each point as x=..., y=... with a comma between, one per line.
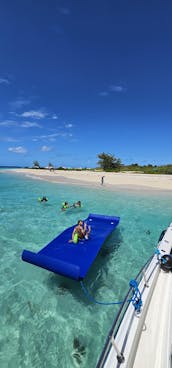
x=10, y=167
x=107, y=163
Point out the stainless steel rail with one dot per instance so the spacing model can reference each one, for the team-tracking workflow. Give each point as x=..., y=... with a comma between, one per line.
x=116, y=324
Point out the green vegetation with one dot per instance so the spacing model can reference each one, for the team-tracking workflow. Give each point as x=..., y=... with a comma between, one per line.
x=149, y=169
x=108, y=162
x=36, y=165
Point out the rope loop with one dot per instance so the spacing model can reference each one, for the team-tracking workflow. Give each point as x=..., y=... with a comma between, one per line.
x=137, y=298
x=91, y=298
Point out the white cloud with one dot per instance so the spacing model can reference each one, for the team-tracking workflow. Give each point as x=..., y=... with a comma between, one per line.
x=9, y=139
x=69, y=125
x=18, y=149
x=36, y=114
x=28, y=124
x=54, y=117
x=20, y=102
x=46, y=149
x=118, y=88
x=113, y=88
x=4, y=81
x=8, y=123
x=51, y=137
x=104, y=93
x=25, y=124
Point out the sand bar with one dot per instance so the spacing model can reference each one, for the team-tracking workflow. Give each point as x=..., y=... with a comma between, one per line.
x=112, y=181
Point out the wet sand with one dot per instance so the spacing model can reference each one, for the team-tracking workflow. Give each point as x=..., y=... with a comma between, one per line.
x=112, y=181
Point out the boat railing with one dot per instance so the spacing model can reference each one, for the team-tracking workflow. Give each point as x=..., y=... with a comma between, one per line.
x=116, y=324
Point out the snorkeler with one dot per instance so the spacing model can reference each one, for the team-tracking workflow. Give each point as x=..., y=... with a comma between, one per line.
x=43, y=199
x=65, y=205
x=76, y=204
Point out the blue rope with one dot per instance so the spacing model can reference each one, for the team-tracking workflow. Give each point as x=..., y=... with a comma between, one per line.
x=137, y=298
x=157, y=252
x=90, y=297
x=163, y=260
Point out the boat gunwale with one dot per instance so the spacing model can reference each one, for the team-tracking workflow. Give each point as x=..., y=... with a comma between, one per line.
x=112, y=332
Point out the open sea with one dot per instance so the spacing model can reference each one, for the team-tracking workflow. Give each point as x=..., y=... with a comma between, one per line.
x=46, y=320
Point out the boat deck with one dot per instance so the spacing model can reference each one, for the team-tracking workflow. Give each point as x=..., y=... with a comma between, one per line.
x=154, y=341
x=144, y=339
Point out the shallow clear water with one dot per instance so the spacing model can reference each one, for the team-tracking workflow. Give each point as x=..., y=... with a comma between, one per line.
x=46, y=320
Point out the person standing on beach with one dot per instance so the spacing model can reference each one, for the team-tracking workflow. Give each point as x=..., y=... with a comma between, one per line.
x=102, y=180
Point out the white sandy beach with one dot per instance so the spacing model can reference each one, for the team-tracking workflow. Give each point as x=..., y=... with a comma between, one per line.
x=111, y=180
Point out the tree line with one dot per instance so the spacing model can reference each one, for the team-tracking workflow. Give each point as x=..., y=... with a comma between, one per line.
x=108, y=162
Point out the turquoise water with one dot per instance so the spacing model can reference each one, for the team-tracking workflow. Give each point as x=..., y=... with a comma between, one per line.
x=46, y=320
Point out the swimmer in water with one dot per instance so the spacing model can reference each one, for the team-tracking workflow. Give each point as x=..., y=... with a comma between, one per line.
x=44, y=199
x=76, y=204
x=65, y=205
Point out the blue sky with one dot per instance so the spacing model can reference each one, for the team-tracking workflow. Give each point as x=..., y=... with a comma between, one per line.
x=78, y=78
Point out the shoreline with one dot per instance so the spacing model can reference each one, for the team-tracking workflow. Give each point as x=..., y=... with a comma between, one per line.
x=112, y=181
